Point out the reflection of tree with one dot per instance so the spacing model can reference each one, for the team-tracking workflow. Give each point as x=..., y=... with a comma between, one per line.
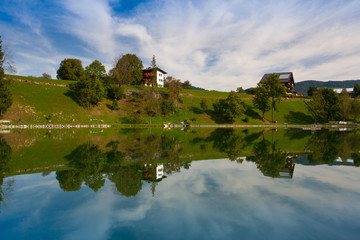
x=88, y=161
x=270, y=160
x=327, y=146
x=69, y=180
x=324, y=146
x=356, y=158
x=113, y=158
x=91, y=164
x=5, y=157
x=171, y=150
x=227, y=140
x=127, y=180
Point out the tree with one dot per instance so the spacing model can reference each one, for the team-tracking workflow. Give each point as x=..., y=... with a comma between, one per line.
x=5, y=92
x=95, y=70
x=174, y=86
x=276, y=91
x=46, y=76
x=89, y=92
x=151, y=102
x=6, y=62
x=325, y=105
x=240, y=90
x=355, y=109
x=332, y=104
x=204, y=104
x=230, y=108
x=70, y=69
x=345, y=104
x=316, y=106
x=250, y=91
x=186, y=85
x=261, y=100
x=311, y=90
x=154, y=72
x=114, y=92
x=128, y=70
x=356, y=90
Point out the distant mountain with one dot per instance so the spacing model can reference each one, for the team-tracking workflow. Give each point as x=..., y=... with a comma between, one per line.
x=302, y=87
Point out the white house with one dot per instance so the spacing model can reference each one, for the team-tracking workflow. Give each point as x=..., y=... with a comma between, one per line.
x=160, y=76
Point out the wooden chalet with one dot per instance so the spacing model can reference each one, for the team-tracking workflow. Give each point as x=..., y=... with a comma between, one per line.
x=286, y=78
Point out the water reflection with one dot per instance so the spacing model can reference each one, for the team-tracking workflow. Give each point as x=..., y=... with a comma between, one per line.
x=135, y=156
x=272, y=161
x=5, y=187
x=144, y=185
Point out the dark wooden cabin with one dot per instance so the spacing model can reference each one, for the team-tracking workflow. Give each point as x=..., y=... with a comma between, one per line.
x=286, y=78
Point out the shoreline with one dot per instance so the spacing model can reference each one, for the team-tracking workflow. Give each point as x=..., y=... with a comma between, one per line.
x=169, y=126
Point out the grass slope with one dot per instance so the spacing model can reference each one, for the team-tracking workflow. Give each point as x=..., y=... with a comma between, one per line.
x=36, y=103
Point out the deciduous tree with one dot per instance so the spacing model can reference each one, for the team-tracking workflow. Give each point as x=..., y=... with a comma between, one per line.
x=128, y=70
x=261, y=100
x=46, y=76
x=345, y=104
x=5, y=92
x=325, y=105
x=311, y=90
x=95, y=70
x=276, y=91
x=186, y=85
x=230, y=108
x=356, y=90
x=70, y=69
x=174, y=86
x=240, y=90
x=89, y=92
x=355, y=109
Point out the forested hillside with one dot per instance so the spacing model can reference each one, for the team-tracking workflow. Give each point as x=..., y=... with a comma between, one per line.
x=304, y=86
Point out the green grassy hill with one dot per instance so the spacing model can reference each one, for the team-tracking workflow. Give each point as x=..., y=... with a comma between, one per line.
x=38, y=100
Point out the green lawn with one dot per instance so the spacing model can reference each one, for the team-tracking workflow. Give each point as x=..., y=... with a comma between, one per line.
x=42, y=80
x=37, y=103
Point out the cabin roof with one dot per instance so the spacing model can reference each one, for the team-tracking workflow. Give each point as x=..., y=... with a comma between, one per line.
x=283, y=76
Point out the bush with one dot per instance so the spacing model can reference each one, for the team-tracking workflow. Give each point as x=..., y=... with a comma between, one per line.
x=115, y=92
x=115, y=105
x=167, y=107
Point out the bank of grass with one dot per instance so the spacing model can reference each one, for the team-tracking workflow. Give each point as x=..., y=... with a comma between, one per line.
x=42, y=80
x=44, y=150
x=39, y=103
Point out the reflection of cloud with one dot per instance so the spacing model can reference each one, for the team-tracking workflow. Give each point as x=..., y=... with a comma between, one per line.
x=214, y=44
x=216, y=197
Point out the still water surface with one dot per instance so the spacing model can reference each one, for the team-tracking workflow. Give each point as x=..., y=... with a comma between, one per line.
x=137, y=185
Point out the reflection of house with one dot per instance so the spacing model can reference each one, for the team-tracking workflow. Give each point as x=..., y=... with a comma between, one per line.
x=286, y=78
x=157, y=74
x=153, y=173
x=287, y=171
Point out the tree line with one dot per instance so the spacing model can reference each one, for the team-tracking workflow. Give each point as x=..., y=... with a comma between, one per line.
x=5, y=93
x=93, y=83
x=327, y=105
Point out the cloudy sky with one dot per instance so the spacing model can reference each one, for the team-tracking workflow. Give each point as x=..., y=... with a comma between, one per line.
x=215, y=44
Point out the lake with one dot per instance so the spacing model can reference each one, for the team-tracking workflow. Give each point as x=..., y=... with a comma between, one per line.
x=179, y=184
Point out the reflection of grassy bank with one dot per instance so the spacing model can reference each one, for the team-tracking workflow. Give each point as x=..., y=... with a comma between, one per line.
x=39, y=149
x=39, y=103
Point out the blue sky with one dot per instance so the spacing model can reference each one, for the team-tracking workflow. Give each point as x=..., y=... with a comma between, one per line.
x=215, y=44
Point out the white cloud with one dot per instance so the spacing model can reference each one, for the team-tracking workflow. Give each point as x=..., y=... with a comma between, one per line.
x=215, y=44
